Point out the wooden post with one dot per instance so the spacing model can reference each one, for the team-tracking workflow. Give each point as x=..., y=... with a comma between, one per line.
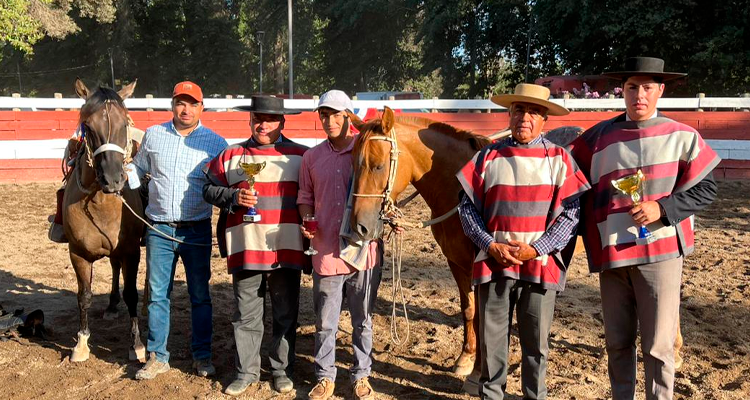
x=434, y=110
x=16, y=96
x=58, y=96
x=746, y=95
x=611, y=97
x=149, y=96
x=354, y=98
x=700, y=97
x=229, y=96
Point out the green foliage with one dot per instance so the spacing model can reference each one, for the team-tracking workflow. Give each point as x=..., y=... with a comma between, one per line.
x=446, y=48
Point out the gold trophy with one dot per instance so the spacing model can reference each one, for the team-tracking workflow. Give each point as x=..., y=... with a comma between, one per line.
x=252, y=169
x=632, y=186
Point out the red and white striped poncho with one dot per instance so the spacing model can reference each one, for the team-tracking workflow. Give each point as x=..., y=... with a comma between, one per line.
x=673, y=157
x=520, y=191
x=275, y=241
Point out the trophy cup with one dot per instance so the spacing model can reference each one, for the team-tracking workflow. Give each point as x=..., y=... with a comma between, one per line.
x=632, y=186
x=252, y=169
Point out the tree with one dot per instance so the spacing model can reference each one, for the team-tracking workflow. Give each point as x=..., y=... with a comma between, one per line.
x=25, y=22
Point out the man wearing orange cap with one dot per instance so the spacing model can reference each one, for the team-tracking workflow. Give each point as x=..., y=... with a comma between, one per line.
x=174, y=153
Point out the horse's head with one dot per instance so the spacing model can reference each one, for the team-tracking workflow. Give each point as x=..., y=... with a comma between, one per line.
x=375, y=166
x=104, y=120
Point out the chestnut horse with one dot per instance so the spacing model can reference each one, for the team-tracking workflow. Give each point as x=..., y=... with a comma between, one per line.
x=95, y=220
x=421, y=144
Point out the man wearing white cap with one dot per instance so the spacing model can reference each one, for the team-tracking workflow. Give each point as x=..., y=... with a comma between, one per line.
x=520, y=207
x=324, y=180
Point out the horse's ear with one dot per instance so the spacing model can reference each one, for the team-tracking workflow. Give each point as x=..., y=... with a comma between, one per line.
x=355, y=120
x=388, y=120
x=127, y=91
x=81, y=90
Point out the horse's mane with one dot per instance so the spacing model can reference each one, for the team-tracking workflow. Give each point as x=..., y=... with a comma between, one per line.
x=373, y=128
x=97, y=100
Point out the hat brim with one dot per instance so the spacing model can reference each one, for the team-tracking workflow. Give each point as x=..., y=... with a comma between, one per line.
x=267, y=111
x=506, y=100
x=623, y=75
x=331, y=107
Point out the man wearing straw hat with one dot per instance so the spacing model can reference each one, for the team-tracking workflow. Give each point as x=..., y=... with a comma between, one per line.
x=266, y=252
x=520, y=207
x=637, y=243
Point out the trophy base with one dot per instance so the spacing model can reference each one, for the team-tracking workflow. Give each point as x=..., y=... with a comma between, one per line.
x=645, y=241
x=251, y=218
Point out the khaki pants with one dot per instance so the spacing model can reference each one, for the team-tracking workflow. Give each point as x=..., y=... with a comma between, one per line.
x=645, y=296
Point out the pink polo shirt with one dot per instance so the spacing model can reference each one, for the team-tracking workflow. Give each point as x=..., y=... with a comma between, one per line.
x=324, y=184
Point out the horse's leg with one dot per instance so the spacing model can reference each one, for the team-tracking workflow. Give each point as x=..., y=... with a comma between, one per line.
x=130, y=295
x=83, y=270
x=146, y=295
x=465, y=362
x=111, y=312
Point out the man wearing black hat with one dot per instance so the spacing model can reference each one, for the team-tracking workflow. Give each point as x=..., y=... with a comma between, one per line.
x=262, y=251
x=650, y=175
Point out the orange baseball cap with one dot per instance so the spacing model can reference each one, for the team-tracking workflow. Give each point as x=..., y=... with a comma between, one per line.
x=189, y=89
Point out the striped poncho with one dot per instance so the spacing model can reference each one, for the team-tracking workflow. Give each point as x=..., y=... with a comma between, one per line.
x=520, y=191
x=673, y=157
x=275, y=241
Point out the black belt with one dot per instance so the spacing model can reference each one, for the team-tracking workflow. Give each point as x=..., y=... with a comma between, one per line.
x=183, y=224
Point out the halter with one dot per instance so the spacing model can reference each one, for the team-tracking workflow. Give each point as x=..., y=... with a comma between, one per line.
x=107, y=146
x=388, y=211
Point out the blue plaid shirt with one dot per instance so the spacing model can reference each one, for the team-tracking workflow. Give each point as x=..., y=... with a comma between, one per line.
x=175, y=162
x=554, y=239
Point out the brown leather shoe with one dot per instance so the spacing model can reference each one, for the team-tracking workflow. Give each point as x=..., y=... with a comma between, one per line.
x=362, y=390
x=322, y=391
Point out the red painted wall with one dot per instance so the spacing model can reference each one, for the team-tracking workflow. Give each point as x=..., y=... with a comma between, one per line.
x=29, y=125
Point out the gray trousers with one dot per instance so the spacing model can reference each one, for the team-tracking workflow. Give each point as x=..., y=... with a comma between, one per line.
x=249, y=294
x=535, y=307
x=361, y=290
x=648, y=296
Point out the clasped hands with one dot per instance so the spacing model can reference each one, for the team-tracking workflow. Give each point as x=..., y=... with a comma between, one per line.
x=512, y=253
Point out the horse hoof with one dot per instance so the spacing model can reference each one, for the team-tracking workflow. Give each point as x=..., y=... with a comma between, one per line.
x=79, y=356
x=464, y=365
x=111, y=315
x=138, y=353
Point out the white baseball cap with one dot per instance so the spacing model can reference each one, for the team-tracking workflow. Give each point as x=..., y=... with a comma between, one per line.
x=335, y=99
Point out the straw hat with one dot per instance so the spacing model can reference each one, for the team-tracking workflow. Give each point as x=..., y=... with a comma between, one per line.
x=529, y=93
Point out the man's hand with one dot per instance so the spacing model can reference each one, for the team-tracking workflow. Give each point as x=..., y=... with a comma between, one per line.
x=646, y=213
x=246, y=198
x=306, y=233
x=525, y=251
x=503, y=254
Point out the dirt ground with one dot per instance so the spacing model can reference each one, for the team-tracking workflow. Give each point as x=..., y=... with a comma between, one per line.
x=36, y=273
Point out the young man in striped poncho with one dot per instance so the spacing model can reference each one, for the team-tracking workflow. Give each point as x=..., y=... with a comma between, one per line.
x=269, y=251
x=640, y=279
x=520, y=207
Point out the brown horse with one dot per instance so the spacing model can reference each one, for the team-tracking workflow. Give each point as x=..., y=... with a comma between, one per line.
x=421, y=144
x=95, y=220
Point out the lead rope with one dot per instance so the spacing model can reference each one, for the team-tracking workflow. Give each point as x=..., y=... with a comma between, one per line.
x=174, y=239
x=397, y=246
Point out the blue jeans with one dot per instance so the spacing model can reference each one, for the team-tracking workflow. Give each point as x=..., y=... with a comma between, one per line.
x=161, y=260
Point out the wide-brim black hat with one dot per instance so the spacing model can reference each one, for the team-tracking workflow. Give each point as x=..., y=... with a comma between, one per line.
x=647, y=66
x=267, y=105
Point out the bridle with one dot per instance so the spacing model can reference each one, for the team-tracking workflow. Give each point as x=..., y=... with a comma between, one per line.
x=388, y=211
x=107, y=146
